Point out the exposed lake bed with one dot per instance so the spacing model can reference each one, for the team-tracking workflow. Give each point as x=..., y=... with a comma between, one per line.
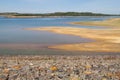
x=107, y=40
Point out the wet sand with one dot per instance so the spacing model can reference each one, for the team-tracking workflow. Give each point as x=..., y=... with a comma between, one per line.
x=106, y=40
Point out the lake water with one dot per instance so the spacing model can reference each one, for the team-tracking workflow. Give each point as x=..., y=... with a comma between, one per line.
x=11, y=30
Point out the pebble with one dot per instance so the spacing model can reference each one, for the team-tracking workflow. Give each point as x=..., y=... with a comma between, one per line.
x=38, y=67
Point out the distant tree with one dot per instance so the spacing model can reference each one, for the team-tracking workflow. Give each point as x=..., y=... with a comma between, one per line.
x=60, y=14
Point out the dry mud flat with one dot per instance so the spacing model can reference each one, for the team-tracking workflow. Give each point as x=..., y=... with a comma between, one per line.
x=106, y=40
x=60, y=67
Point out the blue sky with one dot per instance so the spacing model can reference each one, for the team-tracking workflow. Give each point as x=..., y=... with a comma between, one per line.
x=45, y=6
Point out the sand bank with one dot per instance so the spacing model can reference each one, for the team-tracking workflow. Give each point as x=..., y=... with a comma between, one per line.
x=106, y=40
x=112, y=23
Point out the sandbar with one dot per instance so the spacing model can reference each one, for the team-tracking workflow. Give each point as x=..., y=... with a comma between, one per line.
x=106, y=40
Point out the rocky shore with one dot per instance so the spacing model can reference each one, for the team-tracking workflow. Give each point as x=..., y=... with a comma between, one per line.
x=60, y=67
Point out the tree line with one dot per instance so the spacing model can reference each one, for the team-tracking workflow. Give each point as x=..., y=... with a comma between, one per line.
x=60, y=14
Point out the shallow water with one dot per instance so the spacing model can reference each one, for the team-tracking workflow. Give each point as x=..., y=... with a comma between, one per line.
x=51, y=52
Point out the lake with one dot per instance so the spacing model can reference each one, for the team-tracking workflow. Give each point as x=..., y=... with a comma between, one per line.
x=11, y=30
x=12, y=33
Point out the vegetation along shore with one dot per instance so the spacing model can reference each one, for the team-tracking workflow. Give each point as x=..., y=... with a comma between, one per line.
x=56, y=14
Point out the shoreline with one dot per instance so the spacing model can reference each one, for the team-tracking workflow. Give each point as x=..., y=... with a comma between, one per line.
x=105, y=23
x=107, y=40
